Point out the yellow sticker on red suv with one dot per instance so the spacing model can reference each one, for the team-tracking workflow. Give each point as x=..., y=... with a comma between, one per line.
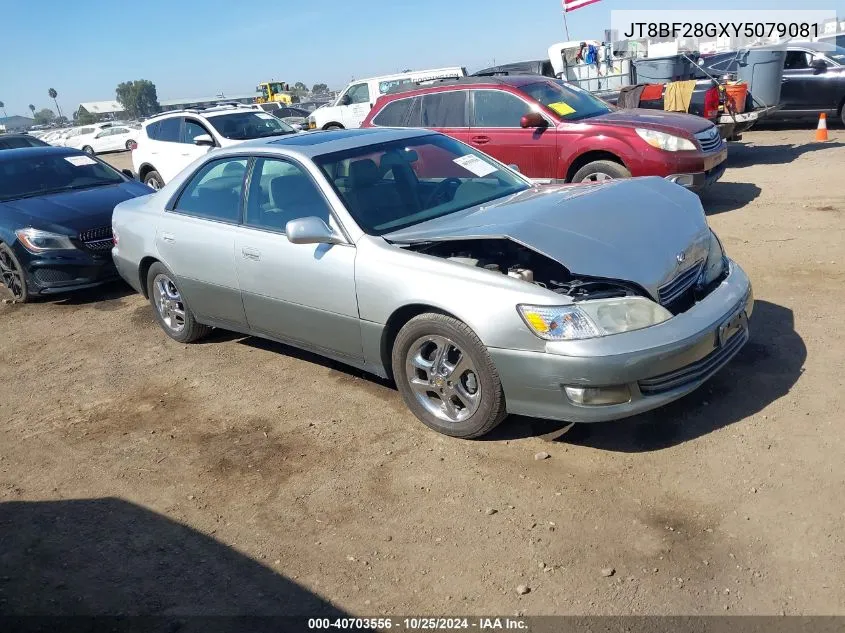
x=562, y=108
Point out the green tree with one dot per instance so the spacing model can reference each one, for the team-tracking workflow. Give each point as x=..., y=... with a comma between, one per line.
x=32, y=109
x=320, y=89
x=138, y=97
x=3, y=107
x=44, y=116
x=300, y=87
x=83, y=117
x=53, y=94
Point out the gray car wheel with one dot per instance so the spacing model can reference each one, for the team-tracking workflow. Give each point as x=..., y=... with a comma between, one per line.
x=11, y=275
x=154, y=180
x=88, y=150
x=446, y=377
x=171, y=311
x=600, y=171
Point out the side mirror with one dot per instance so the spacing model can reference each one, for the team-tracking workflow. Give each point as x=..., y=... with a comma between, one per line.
x=818, y=65
x=514, y=167
x=310, y=230
x=204, y=139
x=533, y=119
x=128, y=173
x=345, y=100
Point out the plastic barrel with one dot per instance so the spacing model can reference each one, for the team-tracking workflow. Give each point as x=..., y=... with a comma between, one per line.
x=658, y=70
x=762, y=69
x=737, y=93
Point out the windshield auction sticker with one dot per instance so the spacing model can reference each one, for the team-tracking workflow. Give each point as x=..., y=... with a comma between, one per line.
x=709, y=31
x=79, y=161
x=475, y=165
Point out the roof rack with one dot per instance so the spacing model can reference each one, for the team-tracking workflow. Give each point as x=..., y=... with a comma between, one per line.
x=415, y=85
x=222, y=105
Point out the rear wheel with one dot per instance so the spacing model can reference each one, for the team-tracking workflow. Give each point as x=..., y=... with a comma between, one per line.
x=446, y=376
x=129, y=144
x=11, y=275
x=153, y=179
x=172, y=313
x=601, y=170
x=88, y=150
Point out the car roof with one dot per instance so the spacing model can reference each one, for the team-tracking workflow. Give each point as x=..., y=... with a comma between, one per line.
x=513, y=81
x=320, y=142
x=26, y=152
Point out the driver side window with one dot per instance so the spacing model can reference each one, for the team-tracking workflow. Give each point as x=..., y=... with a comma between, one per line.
x=281, y=191
x=359, y=93
x=192, y=130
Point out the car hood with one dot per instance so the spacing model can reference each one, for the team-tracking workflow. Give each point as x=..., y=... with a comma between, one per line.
x=671, y=122
x=74, y=211
x=642, y=230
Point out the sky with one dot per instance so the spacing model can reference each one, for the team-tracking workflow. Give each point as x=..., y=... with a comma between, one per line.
x=190, y=48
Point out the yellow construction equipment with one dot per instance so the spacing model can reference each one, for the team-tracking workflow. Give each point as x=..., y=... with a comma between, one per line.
x=274, y=92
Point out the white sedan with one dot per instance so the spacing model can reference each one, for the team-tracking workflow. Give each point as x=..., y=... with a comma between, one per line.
x=110, y=139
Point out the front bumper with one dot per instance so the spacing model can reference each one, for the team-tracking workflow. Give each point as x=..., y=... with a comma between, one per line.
x=658, y=364
x=701, y=179
x=64, y=271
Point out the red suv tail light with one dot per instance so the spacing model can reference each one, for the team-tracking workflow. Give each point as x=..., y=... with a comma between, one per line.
x=711, y=103
x=132, y=145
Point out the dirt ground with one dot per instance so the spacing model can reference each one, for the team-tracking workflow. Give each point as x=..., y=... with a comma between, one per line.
x=138, y=475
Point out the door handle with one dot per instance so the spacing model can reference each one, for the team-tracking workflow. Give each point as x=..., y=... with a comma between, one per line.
x=480, y=140
x=251, y=253
x=168, y=237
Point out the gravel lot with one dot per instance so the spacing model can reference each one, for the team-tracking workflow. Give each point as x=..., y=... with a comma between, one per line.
x=139, y=475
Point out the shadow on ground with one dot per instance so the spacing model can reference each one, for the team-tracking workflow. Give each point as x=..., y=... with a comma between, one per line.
x=111, y=557
x=728, y=196
x=763, y=371
x=745, y=154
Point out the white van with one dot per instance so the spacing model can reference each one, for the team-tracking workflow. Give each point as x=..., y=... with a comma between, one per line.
x=354, y=103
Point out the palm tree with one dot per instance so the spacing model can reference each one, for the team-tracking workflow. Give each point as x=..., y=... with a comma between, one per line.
x=53, y=94
x=32, y=108
x=3, y=107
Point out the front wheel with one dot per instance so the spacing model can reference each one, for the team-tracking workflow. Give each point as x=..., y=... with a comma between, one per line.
x=171, y=311
x=333, y=126
x=154, y=180
x=11, y=275
x=88, y=150
x=446, y=377
x=600, y=171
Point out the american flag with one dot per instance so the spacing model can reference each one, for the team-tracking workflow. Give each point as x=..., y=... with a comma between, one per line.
x=571, y=5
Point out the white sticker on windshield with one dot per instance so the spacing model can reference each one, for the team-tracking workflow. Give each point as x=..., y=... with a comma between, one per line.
x=264, y=115
x=79, y=161
x=475, y=165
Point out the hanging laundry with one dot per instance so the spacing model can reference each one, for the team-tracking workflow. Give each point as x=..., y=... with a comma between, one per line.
x=652, y=92
x=592, y=55
x=630, y=96
x=678, y=95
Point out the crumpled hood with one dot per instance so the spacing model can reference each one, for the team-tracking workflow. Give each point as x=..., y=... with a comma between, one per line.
x=74, y=211
x=642, y=230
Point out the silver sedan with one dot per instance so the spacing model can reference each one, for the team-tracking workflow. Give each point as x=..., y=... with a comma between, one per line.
x=410, y=255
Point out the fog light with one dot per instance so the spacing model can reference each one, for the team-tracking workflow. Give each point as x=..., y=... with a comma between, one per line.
x=593, y=396
x=685, y=180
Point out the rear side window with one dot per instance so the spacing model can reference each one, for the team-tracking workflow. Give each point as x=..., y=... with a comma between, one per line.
x=444, y=109
x=394, y=113
x=214, y=191
x=496, y=108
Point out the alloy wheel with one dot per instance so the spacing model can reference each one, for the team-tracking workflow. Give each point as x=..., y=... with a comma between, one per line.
x=443, y=378
x=169, y=303
x=10, y=275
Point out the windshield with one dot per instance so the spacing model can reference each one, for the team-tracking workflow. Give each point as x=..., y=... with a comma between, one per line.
x=240, y=126
x=568, y=101
x=29, y=176
x=836, y=53
x=390, y=186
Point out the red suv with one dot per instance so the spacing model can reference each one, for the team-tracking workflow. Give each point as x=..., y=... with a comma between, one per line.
x=554, y=131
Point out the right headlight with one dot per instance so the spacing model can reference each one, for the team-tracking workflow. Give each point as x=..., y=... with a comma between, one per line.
x=666, y=142
x=590, y=319
x=716, y=261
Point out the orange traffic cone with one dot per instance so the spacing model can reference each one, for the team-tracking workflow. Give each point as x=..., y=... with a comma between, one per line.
x=821, y=131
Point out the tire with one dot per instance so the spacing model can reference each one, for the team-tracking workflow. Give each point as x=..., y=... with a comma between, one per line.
x=12, y=275
x=171, y=311
x=417, y=345
x=601, y=170
x=333, y=126
x=153, y=179
x=88, y=150
x=128, y=143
